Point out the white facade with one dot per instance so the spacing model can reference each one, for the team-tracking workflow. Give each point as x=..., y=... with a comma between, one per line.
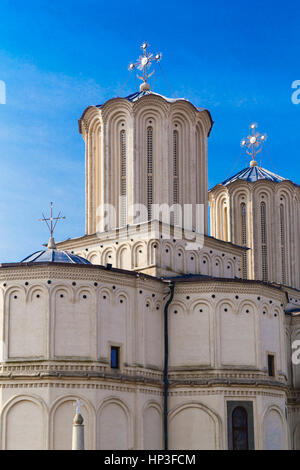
x=118, y=139
x=59, y=321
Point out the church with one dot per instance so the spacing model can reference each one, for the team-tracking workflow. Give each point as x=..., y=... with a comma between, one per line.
x=172, y=334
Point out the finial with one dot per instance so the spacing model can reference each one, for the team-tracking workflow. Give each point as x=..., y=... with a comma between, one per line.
x=144, y=63
x=78, y=419
x=253, y=143
x=78, y=428
x=51, y=244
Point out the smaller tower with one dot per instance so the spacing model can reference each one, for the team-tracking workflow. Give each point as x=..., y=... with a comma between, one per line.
x=259, y=209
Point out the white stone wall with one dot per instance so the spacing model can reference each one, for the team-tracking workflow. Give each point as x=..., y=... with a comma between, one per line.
x=198, y=417
x=138, y=250
x=74, y=313
x=227, y=325
x=218, y=346
x=116, y=416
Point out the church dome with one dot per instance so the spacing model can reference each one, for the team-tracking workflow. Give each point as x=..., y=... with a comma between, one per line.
x=53, y=255
x=253, y=174
x=136, y=96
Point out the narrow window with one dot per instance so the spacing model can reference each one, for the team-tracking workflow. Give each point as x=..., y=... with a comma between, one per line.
x=271, y=365
x=240, y=425
x=123, y=183
x=149, y=171
x=244, y=237
x=115, y=357
x=282, y=245
x=240, y=429
x=175, y=176
x=264, y=252
x=225, y=234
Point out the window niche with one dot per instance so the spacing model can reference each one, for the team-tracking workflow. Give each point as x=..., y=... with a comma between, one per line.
x=240, y=425
x=115, y=357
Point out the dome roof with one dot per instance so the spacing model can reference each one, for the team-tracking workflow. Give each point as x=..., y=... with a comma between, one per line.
x=53, y=255
x=139, y=94
x=133, y=97
x=253, y=174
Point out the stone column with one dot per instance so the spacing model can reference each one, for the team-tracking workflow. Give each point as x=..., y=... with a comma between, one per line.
x=78, y=433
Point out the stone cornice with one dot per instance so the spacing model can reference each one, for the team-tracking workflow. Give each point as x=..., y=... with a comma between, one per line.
x=189, y=284
x=62, y=271
x=234, y=286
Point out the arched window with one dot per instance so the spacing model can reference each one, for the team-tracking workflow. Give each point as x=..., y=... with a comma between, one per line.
x=175, y=175
x=240, y=429
x=149, y=171
x=264, y=252
x=123, y=182
x=282, y=245
x=244, y=237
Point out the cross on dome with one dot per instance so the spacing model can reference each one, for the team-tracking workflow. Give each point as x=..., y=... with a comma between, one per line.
x=53, y=222
x=144, y=63
x=253, y=143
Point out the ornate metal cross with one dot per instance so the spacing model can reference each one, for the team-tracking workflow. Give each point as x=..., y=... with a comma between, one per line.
x=254, y=142
x=145, y=61
x=53, y=220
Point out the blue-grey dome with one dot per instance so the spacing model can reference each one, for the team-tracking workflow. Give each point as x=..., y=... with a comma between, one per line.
x=54, y=256
x=253, y=174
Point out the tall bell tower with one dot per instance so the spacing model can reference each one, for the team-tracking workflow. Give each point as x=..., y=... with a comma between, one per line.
x=141, y=150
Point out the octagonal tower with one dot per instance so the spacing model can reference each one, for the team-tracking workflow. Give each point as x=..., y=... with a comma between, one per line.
x=141, y=150
x=259, y=209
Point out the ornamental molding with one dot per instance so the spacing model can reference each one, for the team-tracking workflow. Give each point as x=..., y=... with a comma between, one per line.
x=230, y=287
x=228, y=382
x=80, y=385
x=229, y=392
x=60, y=273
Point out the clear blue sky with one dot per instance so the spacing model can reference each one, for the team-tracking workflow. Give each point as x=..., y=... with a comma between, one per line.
x=237, y=58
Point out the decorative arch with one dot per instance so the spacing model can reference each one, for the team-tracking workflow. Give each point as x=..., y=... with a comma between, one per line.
x=35, y=289
x=108, y=256
x=128, y=425
x=124, y=257
x=152, y=429
x=93, y=257
x=274, y=441
x=36, y=400
x=215, y=418
x=89, y=421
